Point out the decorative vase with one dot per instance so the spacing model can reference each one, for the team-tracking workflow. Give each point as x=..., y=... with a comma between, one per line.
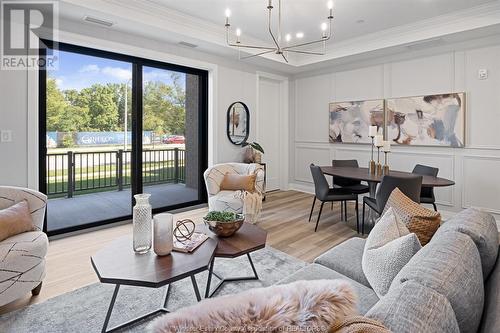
x=162, y=234
x=142, y=223
x=248, y=155
x=257, y=157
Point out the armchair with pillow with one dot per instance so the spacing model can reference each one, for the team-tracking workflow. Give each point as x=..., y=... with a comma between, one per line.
x=23, y=244
x=225, y=180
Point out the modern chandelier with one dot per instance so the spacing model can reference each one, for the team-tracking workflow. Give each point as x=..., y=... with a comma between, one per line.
x=279, y=47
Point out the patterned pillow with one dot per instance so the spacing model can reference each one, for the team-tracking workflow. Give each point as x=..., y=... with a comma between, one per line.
x=418, y=219
x=388, y=249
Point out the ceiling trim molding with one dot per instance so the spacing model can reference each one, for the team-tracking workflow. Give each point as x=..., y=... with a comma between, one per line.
x=157, y=15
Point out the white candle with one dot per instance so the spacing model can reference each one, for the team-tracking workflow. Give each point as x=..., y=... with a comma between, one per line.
x=387, y=146
x=163, y=234
x=379, y=140
x=372, y=131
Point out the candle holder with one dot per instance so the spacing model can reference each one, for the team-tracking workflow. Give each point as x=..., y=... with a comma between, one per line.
x=386, y=166
x=371, y=164
x=379, y=166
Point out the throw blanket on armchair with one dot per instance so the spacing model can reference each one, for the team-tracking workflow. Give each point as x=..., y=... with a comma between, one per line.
x=302, y=306
x=252, y=205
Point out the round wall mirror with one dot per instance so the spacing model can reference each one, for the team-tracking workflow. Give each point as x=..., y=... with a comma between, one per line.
x=238, y=123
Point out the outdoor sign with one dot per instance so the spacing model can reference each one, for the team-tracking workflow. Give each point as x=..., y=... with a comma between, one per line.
x=55, y=139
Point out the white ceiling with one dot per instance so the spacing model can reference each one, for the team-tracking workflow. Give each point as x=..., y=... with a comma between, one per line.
x=307, y=15
x=387, y=24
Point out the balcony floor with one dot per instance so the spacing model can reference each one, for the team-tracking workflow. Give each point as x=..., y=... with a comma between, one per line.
x=89, y=208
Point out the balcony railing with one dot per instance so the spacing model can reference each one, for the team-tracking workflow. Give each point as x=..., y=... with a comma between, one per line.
x=85, y=172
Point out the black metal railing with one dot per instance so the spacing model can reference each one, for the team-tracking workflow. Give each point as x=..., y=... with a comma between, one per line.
x=73, y=172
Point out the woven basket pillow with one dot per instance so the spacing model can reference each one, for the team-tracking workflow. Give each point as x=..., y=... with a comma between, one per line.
x=418, y=219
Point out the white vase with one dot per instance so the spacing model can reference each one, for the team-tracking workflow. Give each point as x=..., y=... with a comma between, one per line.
x=163, y=234
x=142, y=223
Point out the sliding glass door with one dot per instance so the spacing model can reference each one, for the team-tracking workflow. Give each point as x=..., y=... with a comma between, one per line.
x=112, y=126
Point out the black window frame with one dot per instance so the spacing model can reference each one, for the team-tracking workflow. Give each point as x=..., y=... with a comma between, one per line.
x=137, y=121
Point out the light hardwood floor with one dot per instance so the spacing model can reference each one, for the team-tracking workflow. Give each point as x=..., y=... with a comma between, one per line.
x=284, y=216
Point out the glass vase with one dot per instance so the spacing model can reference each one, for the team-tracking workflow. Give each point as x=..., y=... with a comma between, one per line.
x=142, y=222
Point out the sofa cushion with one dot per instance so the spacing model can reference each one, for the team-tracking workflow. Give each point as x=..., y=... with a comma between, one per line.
x=388, y=249
x=450, y=265
x=411, y=307
x=491, y=318
x=420, y=220
x=345, y=258
x=226, y=201
x=482, y=228
x=366, y=296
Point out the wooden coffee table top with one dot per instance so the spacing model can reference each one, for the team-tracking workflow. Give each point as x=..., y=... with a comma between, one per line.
x=117, y=263
x=248, y=239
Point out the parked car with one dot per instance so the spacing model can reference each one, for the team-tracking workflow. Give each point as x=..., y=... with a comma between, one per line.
x=171, y=139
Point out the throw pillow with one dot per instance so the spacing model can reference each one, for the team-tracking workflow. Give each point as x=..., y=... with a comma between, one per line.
x=388, y=249
x=359, y=324
x=418, y=219
x=15, y=219
x=301, y=306
x=235, y=182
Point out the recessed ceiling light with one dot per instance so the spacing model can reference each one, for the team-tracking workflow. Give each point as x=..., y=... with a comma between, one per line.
x=299, y=35
x=288, y=37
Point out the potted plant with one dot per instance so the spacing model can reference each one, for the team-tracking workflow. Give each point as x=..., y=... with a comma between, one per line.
x=257, y=151
x=223, y=224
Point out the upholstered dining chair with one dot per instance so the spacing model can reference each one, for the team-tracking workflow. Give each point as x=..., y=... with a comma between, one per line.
x=427, y=193
x=223, y=200
x=354, y=186
x=410, y=186
x=22, y=257
x=324, y=193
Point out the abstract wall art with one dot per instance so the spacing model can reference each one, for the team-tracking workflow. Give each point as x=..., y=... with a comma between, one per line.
x=432, y=120
x=349, y=121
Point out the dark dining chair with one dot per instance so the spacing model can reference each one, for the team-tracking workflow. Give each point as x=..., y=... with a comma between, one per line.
x=410, y=186
x=324, y=193
x=427, y=193
x=354, y=186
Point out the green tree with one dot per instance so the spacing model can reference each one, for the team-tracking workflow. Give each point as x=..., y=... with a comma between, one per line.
x=61, y=115
x=102, y=107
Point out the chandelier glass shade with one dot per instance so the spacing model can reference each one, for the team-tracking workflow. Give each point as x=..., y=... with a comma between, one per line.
x=279, y=47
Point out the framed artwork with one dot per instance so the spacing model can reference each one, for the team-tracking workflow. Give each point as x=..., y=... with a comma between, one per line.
x=349, y=121
x=432, y=120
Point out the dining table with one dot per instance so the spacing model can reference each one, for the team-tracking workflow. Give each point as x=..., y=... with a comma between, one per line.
x=363, y=174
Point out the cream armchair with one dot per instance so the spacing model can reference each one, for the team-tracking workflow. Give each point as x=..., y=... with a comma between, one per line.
x=229, y=200
x=22, y=257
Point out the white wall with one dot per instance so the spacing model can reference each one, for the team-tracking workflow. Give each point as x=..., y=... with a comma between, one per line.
x=475, y=169
x=231, y=80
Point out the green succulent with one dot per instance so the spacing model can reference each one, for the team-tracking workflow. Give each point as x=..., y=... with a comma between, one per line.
x=221, y=216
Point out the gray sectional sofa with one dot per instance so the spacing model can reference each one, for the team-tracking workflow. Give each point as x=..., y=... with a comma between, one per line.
x=451, y=285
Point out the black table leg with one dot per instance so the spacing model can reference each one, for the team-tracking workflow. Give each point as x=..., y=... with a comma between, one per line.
x=195, y=287
x=223, y=280
x=158, y=311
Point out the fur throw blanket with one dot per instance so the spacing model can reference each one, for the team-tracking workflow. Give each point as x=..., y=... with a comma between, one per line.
x=302, y=306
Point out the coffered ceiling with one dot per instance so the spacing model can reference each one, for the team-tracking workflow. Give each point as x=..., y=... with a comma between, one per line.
x=360, y=26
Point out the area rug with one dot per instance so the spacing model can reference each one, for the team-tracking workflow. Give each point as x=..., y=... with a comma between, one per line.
x=84, y=309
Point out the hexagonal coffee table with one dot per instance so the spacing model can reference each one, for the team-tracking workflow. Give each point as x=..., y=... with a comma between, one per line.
x=248, y=239
x=118, y=264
